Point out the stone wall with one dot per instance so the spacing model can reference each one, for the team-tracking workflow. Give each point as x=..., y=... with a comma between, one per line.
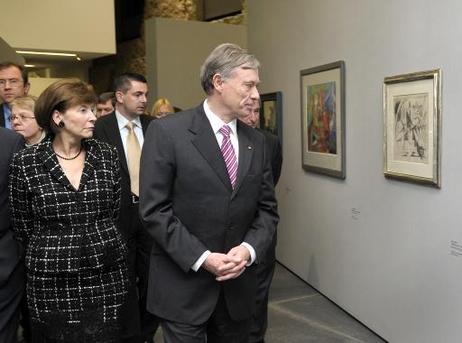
x=239, y=19
x=179, y=9
x=131, y=54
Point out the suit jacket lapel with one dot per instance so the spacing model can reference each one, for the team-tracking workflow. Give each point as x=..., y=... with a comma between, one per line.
x=50, y=161
x=206, y=143
x=245, y=154
x=91, y=162
x=144, y=123
x=113, y=133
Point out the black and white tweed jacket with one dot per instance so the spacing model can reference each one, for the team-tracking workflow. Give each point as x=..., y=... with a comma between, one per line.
x=63, y=229
x=75, y=256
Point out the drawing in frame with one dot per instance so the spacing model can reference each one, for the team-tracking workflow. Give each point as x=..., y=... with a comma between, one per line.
x=323, y=119
x=412, y=127
x=271, y=113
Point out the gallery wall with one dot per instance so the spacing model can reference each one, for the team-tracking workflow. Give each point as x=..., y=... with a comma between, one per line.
x=384, y=250
x=175, y=51
x=39, y=84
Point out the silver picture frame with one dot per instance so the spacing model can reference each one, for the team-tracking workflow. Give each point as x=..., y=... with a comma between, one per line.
x=412, y=127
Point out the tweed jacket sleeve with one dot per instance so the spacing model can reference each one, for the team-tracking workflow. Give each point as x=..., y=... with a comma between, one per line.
x=116, y=179
x=20, y=204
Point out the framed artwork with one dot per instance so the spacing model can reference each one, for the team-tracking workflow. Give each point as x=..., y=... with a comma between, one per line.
x=412, y=127
x=323, y=119
x=271, y=113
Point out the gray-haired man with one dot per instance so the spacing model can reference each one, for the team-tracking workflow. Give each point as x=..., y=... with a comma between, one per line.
x=207, y=198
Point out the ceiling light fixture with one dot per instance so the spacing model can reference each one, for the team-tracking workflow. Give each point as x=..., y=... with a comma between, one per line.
x=29, y=65
x=45, y=53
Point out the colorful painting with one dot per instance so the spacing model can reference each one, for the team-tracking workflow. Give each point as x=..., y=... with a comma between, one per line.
x=321, y=118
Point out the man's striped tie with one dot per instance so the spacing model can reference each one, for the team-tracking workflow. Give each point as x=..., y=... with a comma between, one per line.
x=228, y=154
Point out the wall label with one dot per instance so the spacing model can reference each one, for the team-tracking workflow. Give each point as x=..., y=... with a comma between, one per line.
x=455, y=248
x=355, y=213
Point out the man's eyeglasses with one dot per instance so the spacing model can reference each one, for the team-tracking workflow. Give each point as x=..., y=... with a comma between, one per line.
x=12, y=82
x=20, y=117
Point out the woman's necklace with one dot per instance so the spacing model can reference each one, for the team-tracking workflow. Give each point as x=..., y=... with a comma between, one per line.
x=68, y=158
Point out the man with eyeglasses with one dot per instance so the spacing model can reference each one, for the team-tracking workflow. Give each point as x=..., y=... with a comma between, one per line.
x=13, y=83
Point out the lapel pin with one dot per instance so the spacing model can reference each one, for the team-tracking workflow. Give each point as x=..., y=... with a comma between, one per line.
x=249, y=147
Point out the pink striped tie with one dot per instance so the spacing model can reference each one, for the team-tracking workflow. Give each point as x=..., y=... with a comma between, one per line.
x=228, y=154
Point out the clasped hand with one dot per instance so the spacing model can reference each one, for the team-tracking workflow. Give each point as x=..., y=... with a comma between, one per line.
x=228, y=266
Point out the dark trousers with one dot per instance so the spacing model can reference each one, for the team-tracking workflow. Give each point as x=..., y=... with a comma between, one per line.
x=265, y=272
x=139, y=325
x=10, y=300
x=25, y=320
x=220, y=328
x=148, y=322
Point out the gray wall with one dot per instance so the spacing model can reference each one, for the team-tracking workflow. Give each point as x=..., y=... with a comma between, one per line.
x=390, y=265
x=7, y=53
x=175, y=51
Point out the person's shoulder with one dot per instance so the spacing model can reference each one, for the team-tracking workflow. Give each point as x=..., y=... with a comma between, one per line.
x=8, y=135
x=248, y=130
x=268, y=135
x=105, y=119
x=30, y=153
x=178, y=119
x=99, y=146
x=11, y=141
x=185, y=114
x=146, y=118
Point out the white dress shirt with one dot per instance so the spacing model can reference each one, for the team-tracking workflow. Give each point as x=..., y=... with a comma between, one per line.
x=122, y=122
x=217, y=124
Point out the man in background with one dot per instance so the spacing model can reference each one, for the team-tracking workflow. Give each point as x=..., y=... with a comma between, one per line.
x=12, y=279
x=273, y=145
x=125, y=128
x=265, y=269
x=105, y=104
x=13, y=83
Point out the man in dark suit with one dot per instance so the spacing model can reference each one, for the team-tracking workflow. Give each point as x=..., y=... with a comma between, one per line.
x=13, y=83
x=273, y=145
x=211, y=222
x=127, y=125
x=11, y=266
x=265, y=269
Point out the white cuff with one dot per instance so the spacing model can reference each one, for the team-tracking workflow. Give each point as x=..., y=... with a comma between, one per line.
x=200, y=260
x=253, y=255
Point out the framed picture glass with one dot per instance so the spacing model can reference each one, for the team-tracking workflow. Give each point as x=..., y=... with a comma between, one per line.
x=412, y=124
x=323, y=119
x=271, y=113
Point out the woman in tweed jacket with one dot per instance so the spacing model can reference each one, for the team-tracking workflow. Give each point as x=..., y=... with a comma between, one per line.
x=65, y=195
